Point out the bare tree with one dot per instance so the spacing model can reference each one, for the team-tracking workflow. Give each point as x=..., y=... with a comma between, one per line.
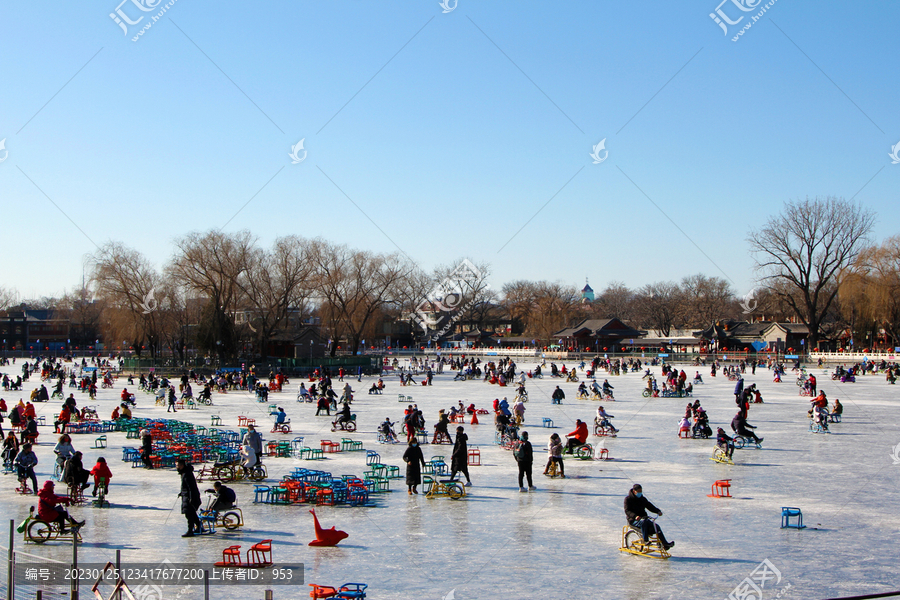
x=84, y=313
x=353, y=287
x=177, y=313
x=463, y=290
x=126, y=282
x=659, y=306
x=8, y=297
x=615, y=301
x=411, y=301
x=211, y=265
x=767, y=305
x=275, y=284
x=811, y=246
x=705, y=300
x=553, y=306
x=518, y=302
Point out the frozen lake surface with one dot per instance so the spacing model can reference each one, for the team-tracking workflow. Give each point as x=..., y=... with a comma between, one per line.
x=560, y=541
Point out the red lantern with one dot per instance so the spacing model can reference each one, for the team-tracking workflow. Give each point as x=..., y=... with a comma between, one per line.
x=604, y=348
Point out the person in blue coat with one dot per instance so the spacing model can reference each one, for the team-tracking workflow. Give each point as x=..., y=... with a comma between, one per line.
x=504, y=407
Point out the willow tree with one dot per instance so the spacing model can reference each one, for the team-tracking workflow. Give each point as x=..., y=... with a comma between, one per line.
x=871, y=295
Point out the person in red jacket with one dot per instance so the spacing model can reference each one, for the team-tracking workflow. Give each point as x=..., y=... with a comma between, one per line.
x=101, y=471
x=578, y=437
x=63, y=419
x=50, y=508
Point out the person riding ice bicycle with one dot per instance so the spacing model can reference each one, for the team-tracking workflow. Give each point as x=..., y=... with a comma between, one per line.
x=387, y=430
x=636, y=507
x=578, y=437
x=603, y=419
x=724, y=442
x=607, y=388
x=50, y=508
x=344, y=416
x=744, y=429
x=225, y=497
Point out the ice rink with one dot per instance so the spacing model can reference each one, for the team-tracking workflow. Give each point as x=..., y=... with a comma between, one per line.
x=561, y=541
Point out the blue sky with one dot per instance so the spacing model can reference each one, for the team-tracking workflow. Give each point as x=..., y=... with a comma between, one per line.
x=449, y=131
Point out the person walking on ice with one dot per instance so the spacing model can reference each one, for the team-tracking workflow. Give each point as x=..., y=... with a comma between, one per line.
x=190, y=497
x=459, y=458
x=415, y=461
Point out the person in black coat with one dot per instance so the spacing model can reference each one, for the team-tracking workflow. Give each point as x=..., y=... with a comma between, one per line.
x=558, y=396
x=146, y=448
x=459, y=458
x=636, y=507
x=30, y=432
x=74, y=473
x=524, y=455
x=414, y=462
x=225, y=497
x=741, y=427
x=190, y=497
